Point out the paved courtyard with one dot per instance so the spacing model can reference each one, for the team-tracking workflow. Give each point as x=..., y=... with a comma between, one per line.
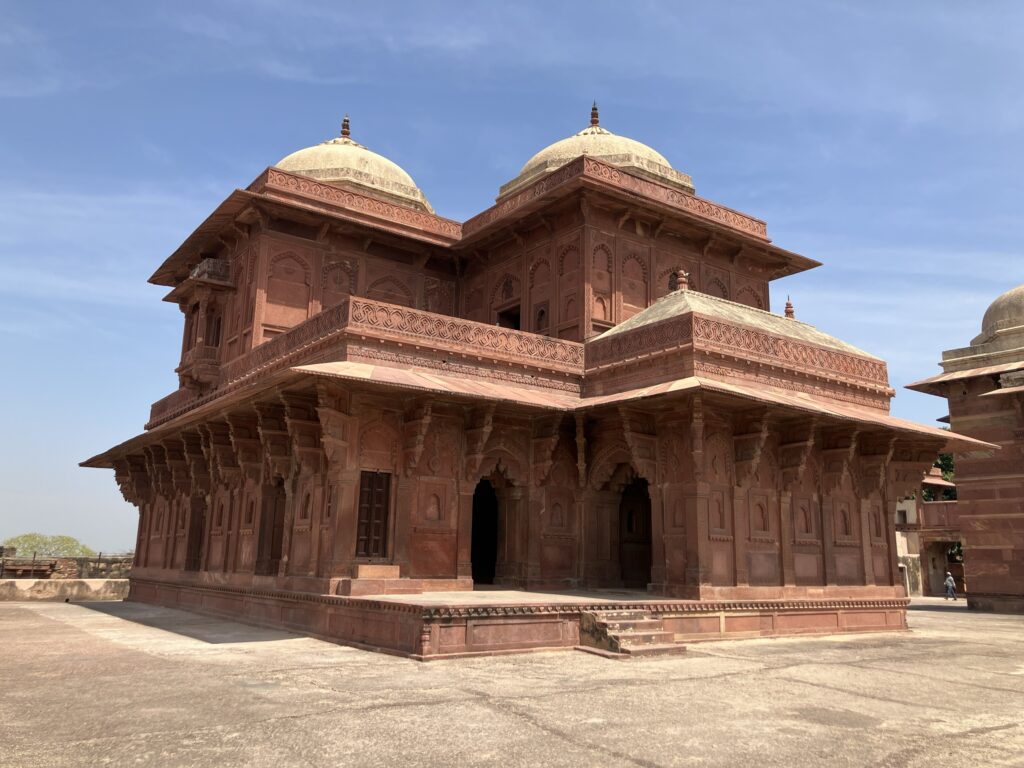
x=127, y=684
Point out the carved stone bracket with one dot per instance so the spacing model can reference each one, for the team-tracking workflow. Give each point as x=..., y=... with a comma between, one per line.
x=158, y=471
x=221, y=452
x=643, y=444
x=301, y=418
x=174, y=455
x=839, y=444
x=909, y=462
x=133, y=479
x=416, y=425
x=793, y=453
x=482, y=421
x=245, y=438
x=547, y=431
x=874, y=455
x=273, y=433
x=337, y=427
x=748, y=447
x=198, y=464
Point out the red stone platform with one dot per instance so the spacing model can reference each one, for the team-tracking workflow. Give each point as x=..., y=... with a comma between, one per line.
x=437, y=625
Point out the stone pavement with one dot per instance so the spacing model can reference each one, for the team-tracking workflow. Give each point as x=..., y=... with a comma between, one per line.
x=129, y=684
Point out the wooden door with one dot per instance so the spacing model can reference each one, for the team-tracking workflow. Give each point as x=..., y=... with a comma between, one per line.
x=635, y=536
x=374, y=503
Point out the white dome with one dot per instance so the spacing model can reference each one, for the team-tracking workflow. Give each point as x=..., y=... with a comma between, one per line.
x=595, y=141
x=344, y=162
x=1004, y=313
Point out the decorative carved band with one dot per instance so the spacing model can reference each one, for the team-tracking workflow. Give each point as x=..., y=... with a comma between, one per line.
x=428, y=222
x=609, y=174
x=465, y=333
x=796, y=354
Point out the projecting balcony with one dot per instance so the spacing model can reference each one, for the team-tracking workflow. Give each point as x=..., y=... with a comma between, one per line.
x=361, y=318
x=200, y=367
x=212, y=270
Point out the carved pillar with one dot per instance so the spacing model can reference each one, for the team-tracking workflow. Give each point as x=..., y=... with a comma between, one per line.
x=749, y=438
x=339, y=436
x=698, y=545
x=658, y=569
x=874, y=455
x=464, y=535
x=839, y=444
x=304, y=435
x=794, y=452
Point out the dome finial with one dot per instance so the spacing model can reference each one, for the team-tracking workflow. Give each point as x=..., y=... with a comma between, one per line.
x=593, y=115
x=789, y=309
x=345, y=132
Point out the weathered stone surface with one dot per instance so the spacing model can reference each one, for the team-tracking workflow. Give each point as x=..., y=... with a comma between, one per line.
x=207, y=692
x=63, y=590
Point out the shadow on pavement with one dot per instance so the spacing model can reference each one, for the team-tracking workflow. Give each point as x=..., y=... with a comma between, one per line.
x=942, y=607
x=203, y=628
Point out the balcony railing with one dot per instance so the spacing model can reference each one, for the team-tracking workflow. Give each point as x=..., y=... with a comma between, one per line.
x=218, y=270
x=939, y=514
x=367, y=317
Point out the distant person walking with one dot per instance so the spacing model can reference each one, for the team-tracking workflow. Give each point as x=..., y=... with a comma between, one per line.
x=950, y=583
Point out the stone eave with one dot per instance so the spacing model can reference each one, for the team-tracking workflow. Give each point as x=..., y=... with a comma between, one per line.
x=661, y=199
x=936, y=385
x=218, y=403
x=311, y=196
x=697, y=334
x=190, y=251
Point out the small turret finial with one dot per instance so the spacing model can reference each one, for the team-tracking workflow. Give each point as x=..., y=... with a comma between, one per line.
x=789, y=309
x=345, y=132
x=679, y=280
x=593, y=115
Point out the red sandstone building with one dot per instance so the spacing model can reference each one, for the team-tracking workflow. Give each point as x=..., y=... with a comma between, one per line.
x=984, y=386
x=581, y=388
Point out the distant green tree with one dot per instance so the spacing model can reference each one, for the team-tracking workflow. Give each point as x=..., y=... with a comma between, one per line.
x=945, y=463
x=48, y=546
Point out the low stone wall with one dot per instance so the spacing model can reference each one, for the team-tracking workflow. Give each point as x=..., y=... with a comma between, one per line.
x=63, y=590
x=438, y=632
x=14, y=566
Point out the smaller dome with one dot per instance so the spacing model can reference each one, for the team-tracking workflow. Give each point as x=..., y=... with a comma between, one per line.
x=1004, y=313
x=597, y=142
x=343, y=162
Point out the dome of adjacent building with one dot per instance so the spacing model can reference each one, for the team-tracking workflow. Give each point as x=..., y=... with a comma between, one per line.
x=600, y=143
x=343, y=162
x=1005, y=312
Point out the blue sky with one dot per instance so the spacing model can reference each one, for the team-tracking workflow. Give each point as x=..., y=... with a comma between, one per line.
x=880, y=138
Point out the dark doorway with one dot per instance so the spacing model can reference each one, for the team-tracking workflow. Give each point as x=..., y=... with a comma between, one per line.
x=635, y=535
x=374, y=505
x=509, y=318
x=484, y=543
x=271, y=535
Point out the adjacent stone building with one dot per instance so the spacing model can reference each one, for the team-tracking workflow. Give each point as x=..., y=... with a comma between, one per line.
x=984, y=386
x=580, y=388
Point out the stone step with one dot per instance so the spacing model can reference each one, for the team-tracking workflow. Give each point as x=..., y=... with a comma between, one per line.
x=656, y=649
x=622, y=625
x=632, y=639
x=606, y=616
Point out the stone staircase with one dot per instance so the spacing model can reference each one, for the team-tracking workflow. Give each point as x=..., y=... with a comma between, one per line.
x=626, y=633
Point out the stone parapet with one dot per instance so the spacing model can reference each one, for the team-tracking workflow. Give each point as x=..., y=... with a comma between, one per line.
x=63, y=590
